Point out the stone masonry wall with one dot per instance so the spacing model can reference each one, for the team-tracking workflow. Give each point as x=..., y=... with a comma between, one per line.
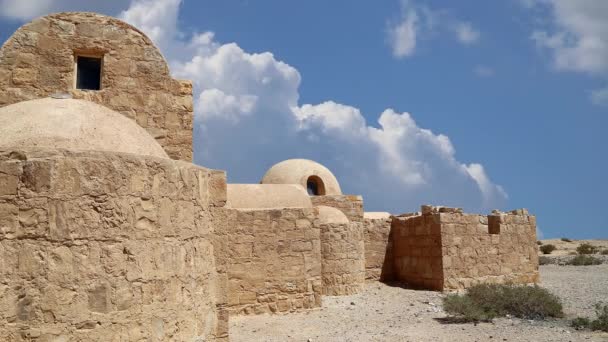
x=107, y=247
x=39, y=60
x=504, y=251
x=446, y=249
x=378, y=249
x=417, y=251
x=343, y=258
x=350, y=205
x=272, y=259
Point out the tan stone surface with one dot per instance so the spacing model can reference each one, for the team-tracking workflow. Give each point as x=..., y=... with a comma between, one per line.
x=378, y=247
x=74, y=125
x=297, y=171
x=329, y=215
x=350, y=205
x=343, y=258
x=107, y=247
x=39, y=60
x=446, y=249
x=266, y=196
x=272, y=259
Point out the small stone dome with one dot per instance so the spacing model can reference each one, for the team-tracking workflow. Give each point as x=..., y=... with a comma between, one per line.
x=314, y=177
x=73, y=125
x=331, y=215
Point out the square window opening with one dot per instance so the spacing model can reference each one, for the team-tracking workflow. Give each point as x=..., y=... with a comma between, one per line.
x=88, y=72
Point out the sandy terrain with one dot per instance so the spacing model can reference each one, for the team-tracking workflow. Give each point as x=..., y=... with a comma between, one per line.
x=385, y=313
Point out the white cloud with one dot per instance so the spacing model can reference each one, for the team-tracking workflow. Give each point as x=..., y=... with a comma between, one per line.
x=600, y=97
x=27, y=9
x=466, y=34
x=248, y=117
x=483, y=71
x=402, y=35
x=576, y=36
x=418, y=21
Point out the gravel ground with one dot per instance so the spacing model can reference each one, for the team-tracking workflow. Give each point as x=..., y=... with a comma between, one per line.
x=386, y=313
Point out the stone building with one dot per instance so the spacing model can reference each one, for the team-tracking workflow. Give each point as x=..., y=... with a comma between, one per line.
x=108, y=231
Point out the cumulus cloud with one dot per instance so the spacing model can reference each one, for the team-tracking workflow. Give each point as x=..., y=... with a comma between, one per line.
x=576, y=37
x=417, y=21
x=28, y=9
x=248, y=117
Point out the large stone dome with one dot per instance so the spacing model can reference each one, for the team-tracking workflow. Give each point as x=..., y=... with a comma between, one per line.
x=73, y=125
x=314, y=177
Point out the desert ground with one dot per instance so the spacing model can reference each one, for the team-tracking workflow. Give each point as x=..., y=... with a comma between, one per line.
x=391, y=313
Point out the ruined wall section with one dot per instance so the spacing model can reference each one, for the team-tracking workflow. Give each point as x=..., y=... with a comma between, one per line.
x=272, y=259
x=104, y=246
x=417, y=251
x=350, y=205
x=39, y=60
x=343, y=258
x=378, y=249
x=500, y=248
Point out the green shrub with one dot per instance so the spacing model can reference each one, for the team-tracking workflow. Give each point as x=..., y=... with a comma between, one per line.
x=547, y=249
x=600, y=323
x=586, y=248
x=485, y=302
x=584, y=260
x=566, y=240
x=605, y=252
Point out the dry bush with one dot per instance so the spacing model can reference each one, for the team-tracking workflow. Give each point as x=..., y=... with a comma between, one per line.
x=547, y=249
x=605, y=252
x=484, y=302
x=566, y=240
x=586, y=248
x=584, y=260
x=600, y=323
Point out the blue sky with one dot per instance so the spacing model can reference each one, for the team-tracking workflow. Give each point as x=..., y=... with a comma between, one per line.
x=498, y=97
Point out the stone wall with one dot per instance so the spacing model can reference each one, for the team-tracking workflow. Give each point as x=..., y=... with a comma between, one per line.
x=503, y=251
x=378, y=249
x=443, y=248
x=103, y=246
x=272, y=259
x=343, y=258
x=417, y=251
x=39, y=60
x=350, y=205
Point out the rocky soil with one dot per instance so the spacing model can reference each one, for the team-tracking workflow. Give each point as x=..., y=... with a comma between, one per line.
x=390, y=313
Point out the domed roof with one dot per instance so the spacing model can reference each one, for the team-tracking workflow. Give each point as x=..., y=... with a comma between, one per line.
x=266, y=196
x=328, y=215
x=73, y=125
x=311, y=175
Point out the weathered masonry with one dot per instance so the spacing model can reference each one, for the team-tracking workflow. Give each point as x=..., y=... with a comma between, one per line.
x=108, y=231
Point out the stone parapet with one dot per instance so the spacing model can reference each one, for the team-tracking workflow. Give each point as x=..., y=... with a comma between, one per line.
x=350, y=205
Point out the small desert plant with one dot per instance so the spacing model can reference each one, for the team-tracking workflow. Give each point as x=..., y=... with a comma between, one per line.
x=586, y=248
x=543, y=260
x=566, y=240
x=605, y=252
x=600, y=323
x=584, y=260
x=547, y=249
x=486, y=301
x=540, y=243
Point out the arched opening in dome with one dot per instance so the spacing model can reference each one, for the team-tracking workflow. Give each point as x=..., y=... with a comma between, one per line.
x=315, y=186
